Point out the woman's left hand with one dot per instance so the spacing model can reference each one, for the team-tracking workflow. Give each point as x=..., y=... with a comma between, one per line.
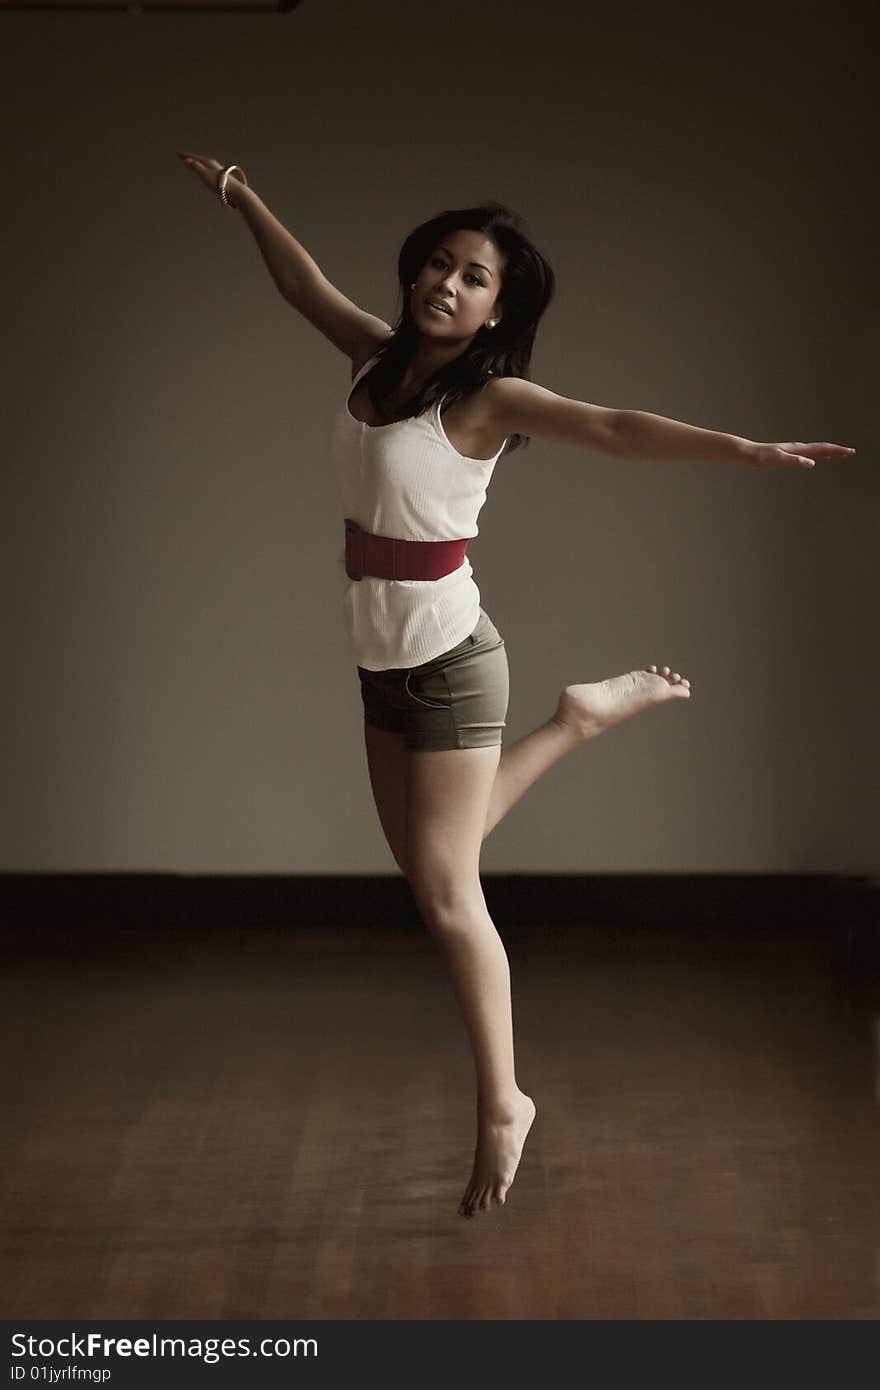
x=799, y=455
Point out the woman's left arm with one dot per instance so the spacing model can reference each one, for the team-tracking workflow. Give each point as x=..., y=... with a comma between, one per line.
x=640, y=435
x=523, y=407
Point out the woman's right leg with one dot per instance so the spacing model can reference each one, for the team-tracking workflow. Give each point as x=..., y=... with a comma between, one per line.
x=432, y=809
x=386, y=761
x=447, y=797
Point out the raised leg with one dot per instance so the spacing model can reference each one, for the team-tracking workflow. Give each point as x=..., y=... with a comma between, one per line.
x=582, y=712
x=523, y=762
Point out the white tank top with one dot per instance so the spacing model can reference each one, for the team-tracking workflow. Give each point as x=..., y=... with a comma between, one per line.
x=406, y=480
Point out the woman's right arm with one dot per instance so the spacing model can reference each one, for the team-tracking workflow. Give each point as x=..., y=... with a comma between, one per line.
x=289, y=263
x=296, y=274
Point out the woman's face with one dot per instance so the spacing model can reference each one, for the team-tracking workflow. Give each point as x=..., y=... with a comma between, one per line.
x=464, y=273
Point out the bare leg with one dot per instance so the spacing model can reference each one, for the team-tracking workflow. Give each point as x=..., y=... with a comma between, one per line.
x=447, y=795
x=436, y=809
x=523, y=762
x=583, y=711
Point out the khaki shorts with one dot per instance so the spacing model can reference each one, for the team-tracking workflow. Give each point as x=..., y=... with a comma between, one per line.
x=456, y=700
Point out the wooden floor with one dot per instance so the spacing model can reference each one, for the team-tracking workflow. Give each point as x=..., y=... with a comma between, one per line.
x=278, y=1123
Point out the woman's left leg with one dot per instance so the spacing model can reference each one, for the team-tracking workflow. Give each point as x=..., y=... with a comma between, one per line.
x=582, y=712
x=447, y=796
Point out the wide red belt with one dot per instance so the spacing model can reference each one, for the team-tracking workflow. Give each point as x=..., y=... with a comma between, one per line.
x=387, y=557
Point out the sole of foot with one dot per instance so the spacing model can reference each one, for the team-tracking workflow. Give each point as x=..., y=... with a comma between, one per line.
x=588, y=709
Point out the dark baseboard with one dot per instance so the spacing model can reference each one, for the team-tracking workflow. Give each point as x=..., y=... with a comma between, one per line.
x=844, y=904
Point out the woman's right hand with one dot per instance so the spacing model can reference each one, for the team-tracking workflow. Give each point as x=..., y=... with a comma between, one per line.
x=209, y=170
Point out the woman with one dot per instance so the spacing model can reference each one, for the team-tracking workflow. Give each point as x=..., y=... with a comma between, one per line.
x=435, y=402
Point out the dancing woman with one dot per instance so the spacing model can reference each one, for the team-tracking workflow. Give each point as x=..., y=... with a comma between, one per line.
x=433, y=404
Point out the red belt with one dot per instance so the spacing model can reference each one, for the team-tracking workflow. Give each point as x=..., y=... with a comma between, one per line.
x=387, y=557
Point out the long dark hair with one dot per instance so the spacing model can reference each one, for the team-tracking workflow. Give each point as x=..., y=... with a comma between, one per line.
x=527, y=287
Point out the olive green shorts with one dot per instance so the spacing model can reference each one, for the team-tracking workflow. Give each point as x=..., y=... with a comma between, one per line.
x=456, y=700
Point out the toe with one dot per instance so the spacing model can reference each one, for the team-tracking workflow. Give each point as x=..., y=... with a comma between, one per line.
x=664, y=670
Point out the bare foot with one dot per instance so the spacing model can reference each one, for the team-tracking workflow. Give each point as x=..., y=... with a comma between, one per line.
x=586, y=710
x=499, y=1146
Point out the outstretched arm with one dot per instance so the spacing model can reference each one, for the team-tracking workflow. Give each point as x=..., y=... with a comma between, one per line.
x=523, y=407
x=641, y=435
x=296, y=274
x=286, y=260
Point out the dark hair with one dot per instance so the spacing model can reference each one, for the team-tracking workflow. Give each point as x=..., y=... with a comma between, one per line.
x=527, y=287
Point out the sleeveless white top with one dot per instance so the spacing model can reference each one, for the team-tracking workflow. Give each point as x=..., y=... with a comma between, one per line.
x=406, y=480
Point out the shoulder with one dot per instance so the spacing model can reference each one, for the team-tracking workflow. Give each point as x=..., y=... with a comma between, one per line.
x=506, y=401
x=506, y=393
x=517, y=406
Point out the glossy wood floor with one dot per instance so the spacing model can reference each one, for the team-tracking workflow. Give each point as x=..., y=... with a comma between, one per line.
x=277, y=1123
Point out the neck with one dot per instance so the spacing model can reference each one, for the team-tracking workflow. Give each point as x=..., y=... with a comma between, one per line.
x=429, y=356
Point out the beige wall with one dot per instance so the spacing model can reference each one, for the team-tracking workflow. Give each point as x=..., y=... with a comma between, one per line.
x=179, y=694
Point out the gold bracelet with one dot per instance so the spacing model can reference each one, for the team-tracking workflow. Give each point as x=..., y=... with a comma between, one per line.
x=222, y=181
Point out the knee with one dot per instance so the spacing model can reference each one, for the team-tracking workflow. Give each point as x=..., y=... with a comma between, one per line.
x=448, y=905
